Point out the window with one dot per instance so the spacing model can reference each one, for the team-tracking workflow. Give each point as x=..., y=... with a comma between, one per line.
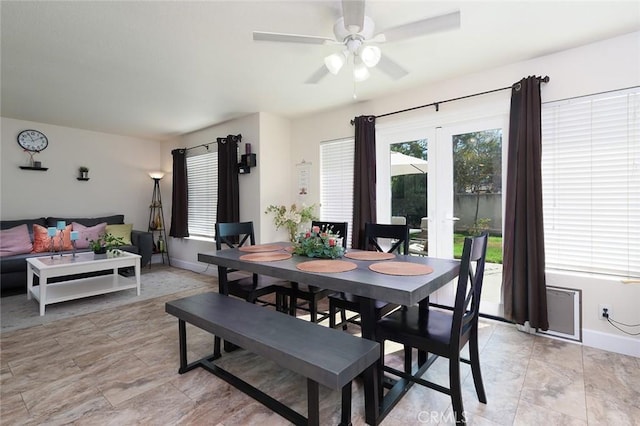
x=202, y=178
x=591, y=183
x=336, y=182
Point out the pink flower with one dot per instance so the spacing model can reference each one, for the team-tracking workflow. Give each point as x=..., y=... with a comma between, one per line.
x=307, y=235
x=332, y=242
x=315, y=229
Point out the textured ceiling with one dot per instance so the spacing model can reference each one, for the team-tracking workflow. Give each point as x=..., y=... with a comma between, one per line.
x=157, y=69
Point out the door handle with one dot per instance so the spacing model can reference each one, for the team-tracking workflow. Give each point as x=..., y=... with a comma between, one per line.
x=452, y=218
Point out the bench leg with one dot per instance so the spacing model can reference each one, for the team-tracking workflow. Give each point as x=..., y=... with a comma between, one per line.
x=182, y=332
x=313, y=403
x=345, y=419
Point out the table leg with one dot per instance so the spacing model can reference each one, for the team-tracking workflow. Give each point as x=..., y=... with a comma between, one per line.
x=223, y=288
x=43, y=292
x=182, y=336
x=371, y=382
x=137, y=271
x=29, y=280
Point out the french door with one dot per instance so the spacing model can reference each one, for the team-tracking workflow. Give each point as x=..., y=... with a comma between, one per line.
x=457, y=192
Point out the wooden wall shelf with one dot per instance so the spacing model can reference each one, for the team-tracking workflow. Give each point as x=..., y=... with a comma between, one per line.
x=42, y=169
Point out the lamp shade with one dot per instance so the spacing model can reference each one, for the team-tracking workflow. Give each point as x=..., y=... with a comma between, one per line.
x=335, y=62
x=156, y=175
x=371, y=55
x=360, y=71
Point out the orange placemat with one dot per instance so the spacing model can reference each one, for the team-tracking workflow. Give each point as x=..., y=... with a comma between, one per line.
x=401, y=268
x=369, y=255
x=266, y=257
x=326, y=265
x=260, y=248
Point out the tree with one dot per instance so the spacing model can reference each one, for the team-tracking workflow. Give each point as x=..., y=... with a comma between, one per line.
x=477, y=164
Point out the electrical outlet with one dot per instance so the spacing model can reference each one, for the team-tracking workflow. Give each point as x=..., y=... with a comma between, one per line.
x=602, y=309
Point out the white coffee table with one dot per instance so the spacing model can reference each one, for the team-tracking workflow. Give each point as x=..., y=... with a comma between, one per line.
x=47, y=267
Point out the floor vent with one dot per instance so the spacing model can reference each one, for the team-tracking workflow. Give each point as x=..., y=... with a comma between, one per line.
x=564, y=307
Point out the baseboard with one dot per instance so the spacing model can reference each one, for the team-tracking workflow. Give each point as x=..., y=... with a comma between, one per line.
x=611, y=342
x=597, y=339
x=198, y=267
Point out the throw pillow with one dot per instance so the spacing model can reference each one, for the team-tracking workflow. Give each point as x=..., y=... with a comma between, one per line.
x=122, y=231
x=15, y=240
x=42, y=241
x=88, y=233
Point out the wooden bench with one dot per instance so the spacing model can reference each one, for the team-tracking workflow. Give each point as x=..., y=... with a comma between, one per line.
x=324, y=356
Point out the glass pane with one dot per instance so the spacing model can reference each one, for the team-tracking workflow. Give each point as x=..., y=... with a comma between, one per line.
x=477, y=186
x=409, y=190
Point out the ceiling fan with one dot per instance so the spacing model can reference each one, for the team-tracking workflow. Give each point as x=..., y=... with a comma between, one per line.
x=355, y=32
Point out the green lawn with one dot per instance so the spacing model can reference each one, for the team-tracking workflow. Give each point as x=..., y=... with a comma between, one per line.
x=494, y=249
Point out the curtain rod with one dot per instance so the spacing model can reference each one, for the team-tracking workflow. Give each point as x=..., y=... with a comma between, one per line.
x=544, y=79
x=236, y=138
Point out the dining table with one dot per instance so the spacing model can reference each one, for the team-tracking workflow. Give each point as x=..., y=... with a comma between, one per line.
x=397, y=285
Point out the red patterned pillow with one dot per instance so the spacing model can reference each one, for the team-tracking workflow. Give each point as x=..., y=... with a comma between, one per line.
x=15, y=240
x=42, y=241
x=87, y=233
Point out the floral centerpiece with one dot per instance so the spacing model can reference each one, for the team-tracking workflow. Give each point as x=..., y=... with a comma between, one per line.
x=321, y=243
x=292, y=218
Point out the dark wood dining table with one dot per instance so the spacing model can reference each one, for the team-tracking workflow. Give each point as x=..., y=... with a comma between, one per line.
x=363, y=282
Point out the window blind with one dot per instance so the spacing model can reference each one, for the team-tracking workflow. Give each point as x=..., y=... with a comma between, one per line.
x=591, y=183
x=202, y=177
x=336, y=182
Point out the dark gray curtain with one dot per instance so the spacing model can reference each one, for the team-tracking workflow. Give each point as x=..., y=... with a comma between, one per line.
x=364, y=178
x=523, y=279
x=179, y=196
x=228, y=209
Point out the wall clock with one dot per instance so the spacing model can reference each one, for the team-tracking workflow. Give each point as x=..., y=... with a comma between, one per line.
x=32, y=140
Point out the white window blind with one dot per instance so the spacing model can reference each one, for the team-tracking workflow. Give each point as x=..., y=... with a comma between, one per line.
x=202, y=177
x=591, y=183
x=336, y=182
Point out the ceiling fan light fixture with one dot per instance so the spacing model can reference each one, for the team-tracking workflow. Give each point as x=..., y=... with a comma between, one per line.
x=335, y=62
x=360, y=72
x=371, y=55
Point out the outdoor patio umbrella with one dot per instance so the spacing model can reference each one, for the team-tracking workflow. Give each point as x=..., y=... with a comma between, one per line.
x=403, y=164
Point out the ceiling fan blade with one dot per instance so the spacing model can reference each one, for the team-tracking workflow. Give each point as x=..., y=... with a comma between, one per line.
x=432, y=25
x=317, y=76
x=353, y=14
x=291, y=38
x=391, y=68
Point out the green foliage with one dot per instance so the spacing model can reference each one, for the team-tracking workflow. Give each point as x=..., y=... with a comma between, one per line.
x=292, y=218
x=106, y=241
x=320, y=243
x=479, y=226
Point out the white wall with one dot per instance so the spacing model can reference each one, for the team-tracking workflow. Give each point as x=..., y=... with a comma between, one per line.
x=266, y=184
x=118, y=170
x=603, y=66
x=275, y=173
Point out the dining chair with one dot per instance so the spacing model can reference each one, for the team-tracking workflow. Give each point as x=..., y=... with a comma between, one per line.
x=311, y=295
x=373, y=232
x=442, y=333
x=244, y=284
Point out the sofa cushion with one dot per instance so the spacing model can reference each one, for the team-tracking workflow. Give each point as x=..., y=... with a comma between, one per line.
x=122, y=231
x=6, y=224
x=88, y=233
x=15, y=240
x=111, y=220
x=42, y=241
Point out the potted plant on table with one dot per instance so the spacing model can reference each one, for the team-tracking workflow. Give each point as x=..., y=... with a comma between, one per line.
x=320, y=243
x=107, y=245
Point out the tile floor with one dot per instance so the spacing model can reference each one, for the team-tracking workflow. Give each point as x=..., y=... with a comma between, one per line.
x=119, y=366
